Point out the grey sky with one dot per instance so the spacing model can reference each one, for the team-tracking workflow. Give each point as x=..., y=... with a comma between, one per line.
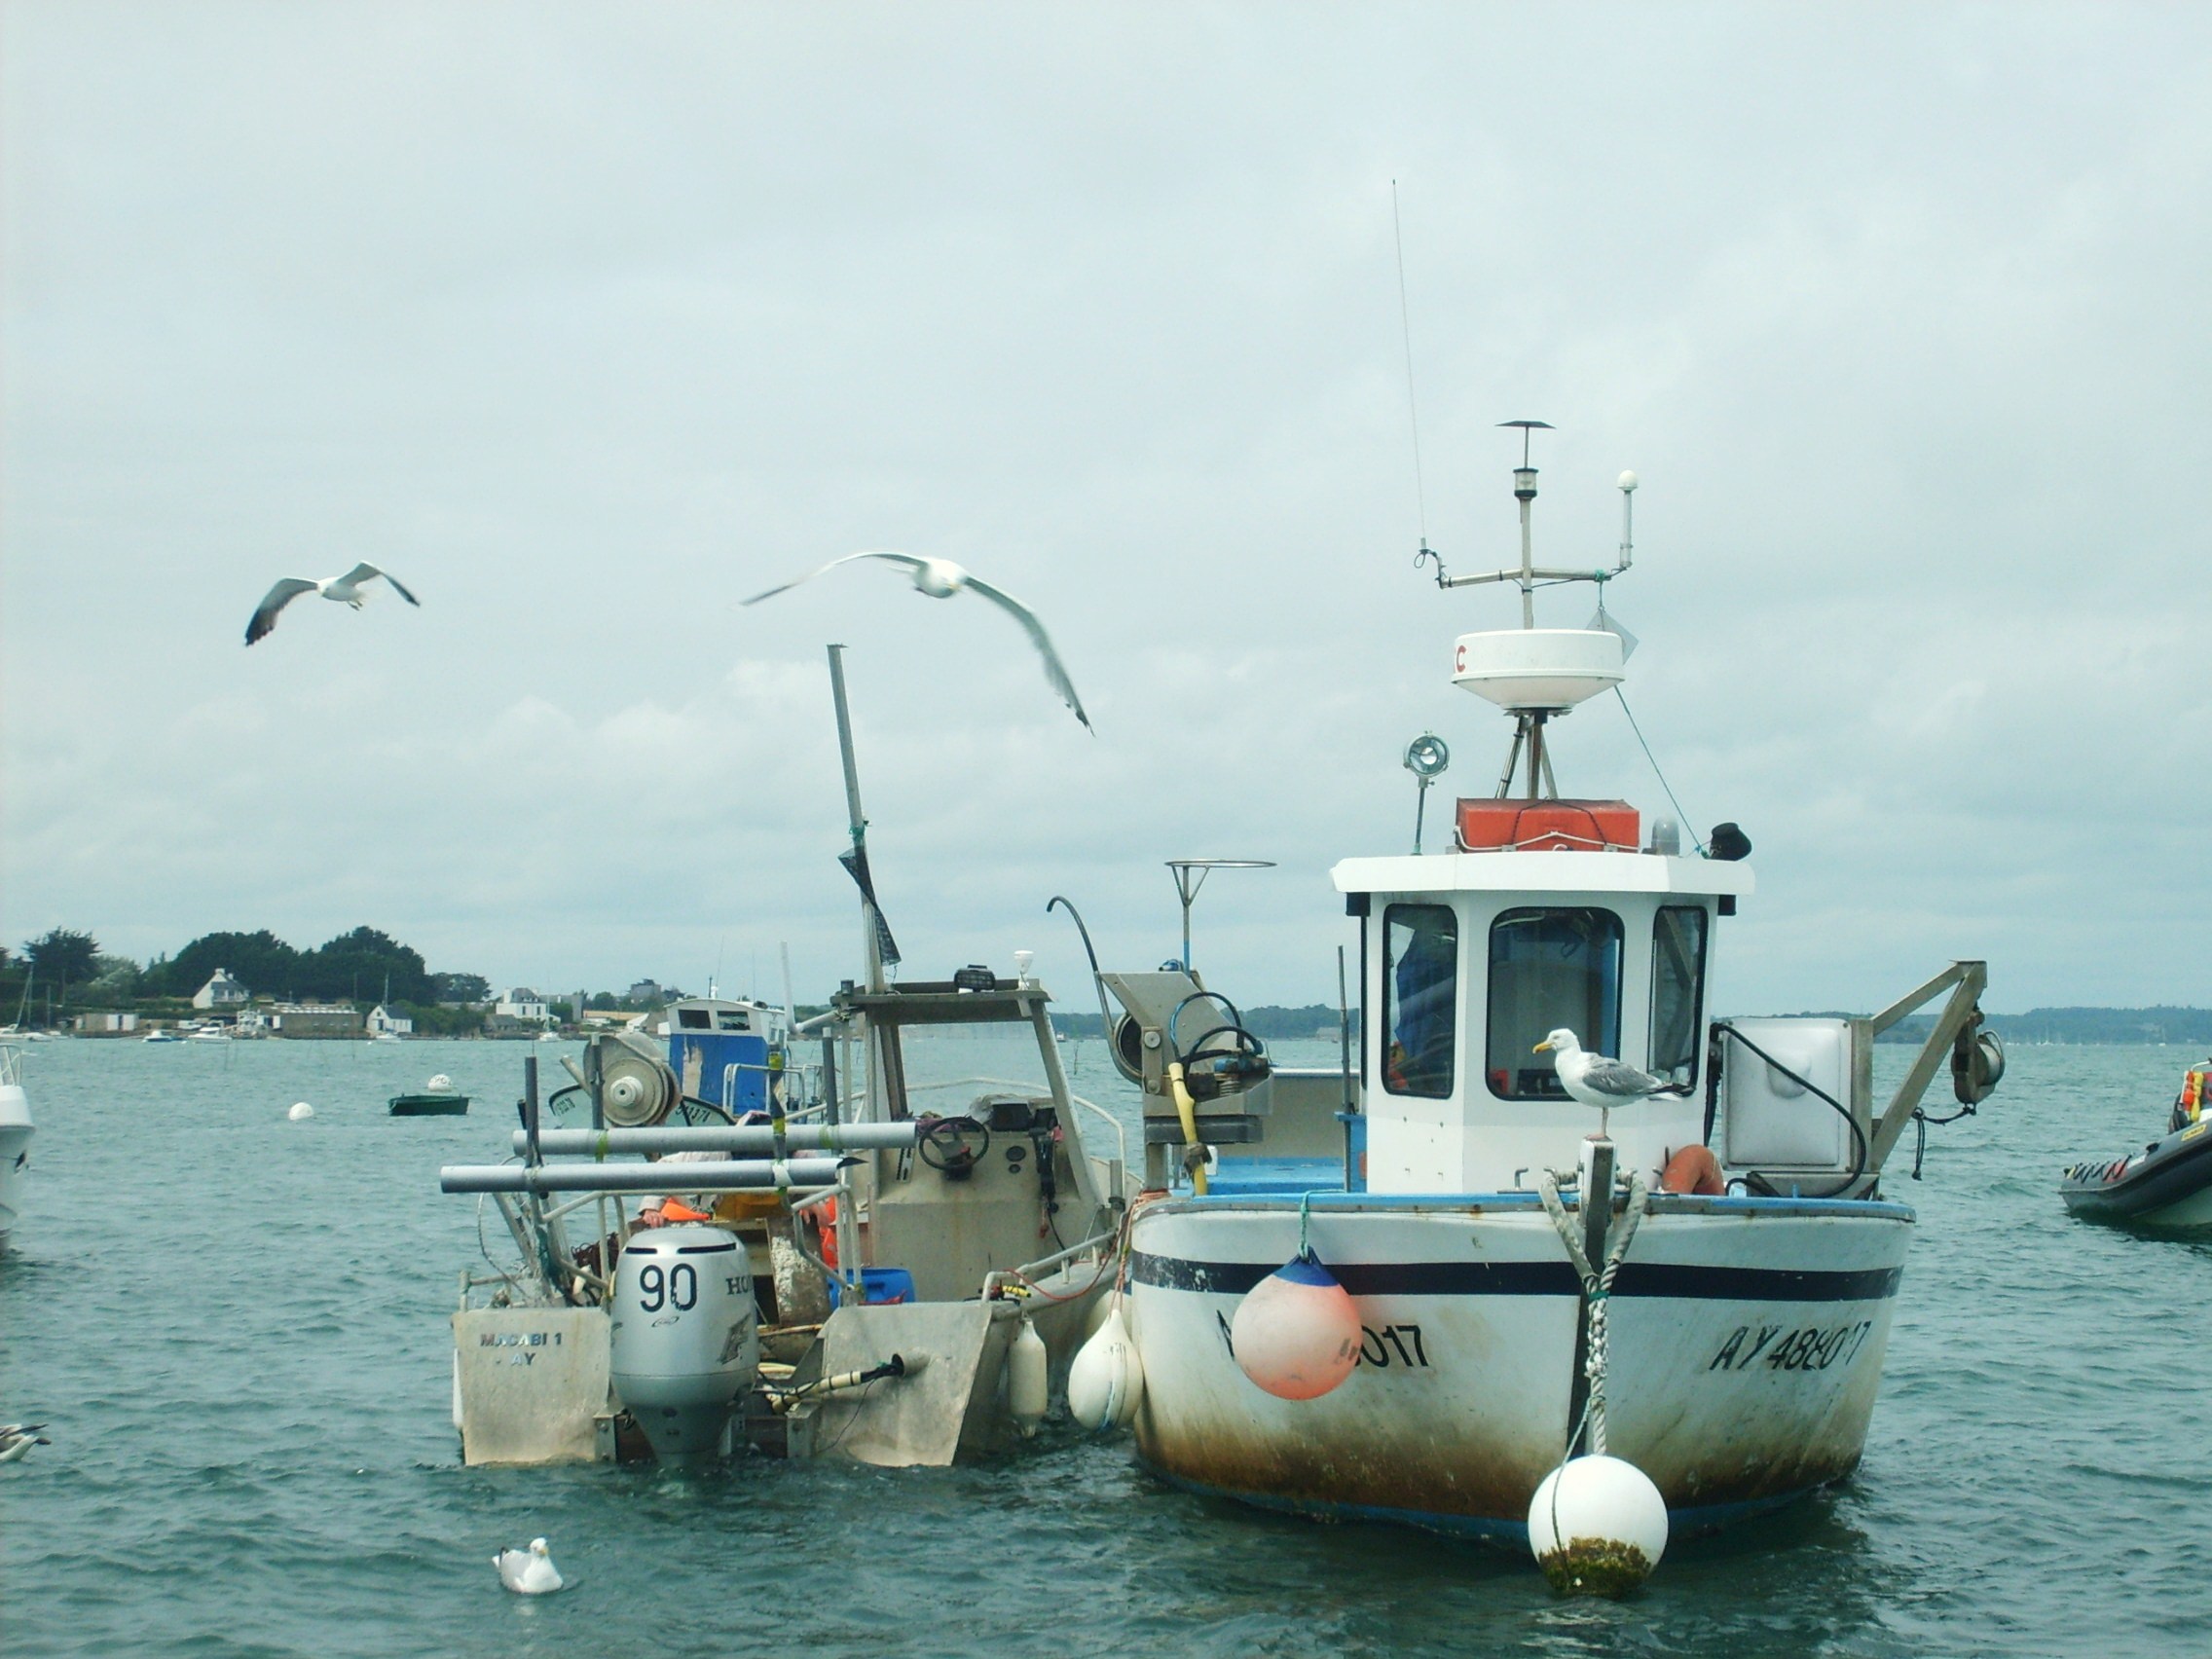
x=589, y=321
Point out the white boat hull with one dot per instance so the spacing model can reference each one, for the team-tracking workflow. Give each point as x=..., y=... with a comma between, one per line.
x=15, y=1152
x=1746, y=1349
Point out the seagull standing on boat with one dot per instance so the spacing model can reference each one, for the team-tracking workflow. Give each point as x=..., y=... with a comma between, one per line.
x=345, y=589
x=527, y=1572
x=941, y=578
x=1596, y=1080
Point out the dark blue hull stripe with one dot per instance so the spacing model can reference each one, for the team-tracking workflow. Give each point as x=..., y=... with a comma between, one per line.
x=1534, y=1279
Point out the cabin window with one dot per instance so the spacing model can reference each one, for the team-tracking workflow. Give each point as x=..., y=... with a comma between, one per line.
x=1678, y=991
x=692, y=1018
x=1550, y=967
x=1420, y=998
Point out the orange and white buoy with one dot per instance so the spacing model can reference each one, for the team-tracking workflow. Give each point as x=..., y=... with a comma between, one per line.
x=1297, y=1332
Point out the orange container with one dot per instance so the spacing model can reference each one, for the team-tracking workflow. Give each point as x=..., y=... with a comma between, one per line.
x=1549, y=826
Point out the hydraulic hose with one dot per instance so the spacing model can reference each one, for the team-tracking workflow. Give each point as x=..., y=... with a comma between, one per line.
x=1187, y=1110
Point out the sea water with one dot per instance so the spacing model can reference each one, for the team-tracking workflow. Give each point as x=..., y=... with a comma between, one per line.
x=236, y=1328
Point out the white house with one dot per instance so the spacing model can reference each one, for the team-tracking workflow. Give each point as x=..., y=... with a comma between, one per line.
x=522, y=1003
x=220, y=992
x=382, y=1021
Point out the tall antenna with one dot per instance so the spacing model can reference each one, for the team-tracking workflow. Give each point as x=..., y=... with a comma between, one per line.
x=1406, y=328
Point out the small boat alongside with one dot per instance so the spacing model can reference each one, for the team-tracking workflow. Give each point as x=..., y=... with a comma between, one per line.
x=2168, y=1184
x=719, y=1239
x=16, y=1131
x=438, y=1098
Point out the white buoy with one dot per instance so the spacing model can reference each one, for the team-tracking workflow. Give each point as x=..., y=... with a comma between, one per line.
x=440, y=1084
x=1028, y=1386
x=527, y=1572
x=1106, y=1381
x=1598, y=1527
x=301, y=1111
x=1297, y=1332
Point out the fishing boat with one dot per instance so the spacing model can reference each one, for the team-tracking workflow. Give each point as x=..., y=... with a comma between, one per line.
x=2168, y=1184
x=16, y=1131
x=438, y=1098
x=756, y=1232
x=1419, y=1291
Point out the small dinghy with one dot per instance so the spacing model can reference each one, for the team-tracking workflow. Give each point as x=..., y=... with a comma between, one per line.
x=2167, y=1184
x=438, y=1099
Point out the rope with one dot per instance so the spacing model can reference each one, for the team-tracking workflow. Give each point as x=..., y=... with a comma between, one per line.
x=1597, y=1289
x=1680, y=816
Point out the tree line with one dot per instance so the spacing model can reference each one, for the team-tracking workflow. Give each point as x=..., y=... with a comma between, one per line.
x=364, y=964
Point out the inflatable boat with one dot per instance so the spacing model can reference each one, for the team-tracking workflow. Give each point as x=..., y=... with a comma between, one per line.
x=2167, y=1184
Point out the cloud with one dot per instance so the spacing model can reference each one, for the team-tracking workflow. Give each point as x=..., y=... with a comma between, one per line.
x=588, y=325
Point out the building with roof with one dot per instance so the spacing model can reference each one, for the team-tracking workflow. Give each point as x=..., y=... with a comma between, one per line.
x=220, y=992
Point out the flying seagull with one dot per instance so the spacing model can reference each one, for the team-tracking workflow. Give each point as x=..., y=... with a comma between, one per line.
x=345, y=589
x=18, y=1438
x=941, y=578
x=1596, y=1080
x=527, y=1572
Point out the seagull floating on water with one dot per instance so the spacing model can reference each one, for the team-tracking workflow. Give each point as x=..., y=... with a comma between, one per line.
x=345, y=589
x=18, y=1438
x=1596, y=1080
x=941, y=578
x=527, y=1572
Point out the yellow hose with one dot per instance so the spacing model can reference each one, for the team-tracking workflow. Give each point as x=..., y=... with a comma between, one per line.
x=1187, y=1110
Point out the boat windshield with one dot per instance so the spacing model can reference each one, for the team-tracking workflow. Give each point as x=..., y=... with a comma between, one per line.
x=1550, y=967
x=1421, y=990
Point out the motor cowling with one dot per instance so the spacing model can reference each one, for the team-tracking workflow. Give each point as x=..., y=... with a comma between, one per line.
x=686, y=1336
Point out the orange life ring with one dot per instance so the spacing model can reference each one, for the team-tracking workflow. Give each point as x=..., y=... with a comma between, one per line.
x=1694, y=1169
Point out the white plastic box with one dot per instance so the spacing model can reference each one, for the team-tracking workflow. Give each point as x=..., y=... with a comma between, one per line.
x=1768, y=1121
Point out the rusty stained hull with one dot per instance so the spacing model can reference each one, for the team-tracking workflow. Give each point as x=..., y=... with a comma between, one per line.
x=1745, y=1355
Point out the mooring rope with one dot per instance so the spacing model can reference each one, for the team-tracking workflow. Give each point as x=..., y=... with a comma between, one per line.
x=1597, y=1289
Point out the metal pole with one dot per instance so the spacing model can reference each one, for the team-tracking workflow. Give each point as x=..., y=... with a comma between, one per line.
x=731, y=1175
x=529, y=1107
x=1527, y=568
x=753, y=1138
x=856, y=820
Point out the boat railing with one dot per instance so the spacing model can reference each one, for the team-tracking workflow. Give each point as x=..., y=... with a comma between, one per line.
x=11, y=1065
x=999, y=1279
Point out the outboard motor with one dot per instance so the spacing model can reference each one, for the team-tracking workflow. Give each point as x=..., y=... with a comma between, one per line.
x=687, y=1337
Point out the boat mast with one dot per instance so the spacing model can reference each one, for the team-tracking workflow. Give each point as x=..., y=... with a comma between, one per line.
x=857, y=820
x=1504, y=669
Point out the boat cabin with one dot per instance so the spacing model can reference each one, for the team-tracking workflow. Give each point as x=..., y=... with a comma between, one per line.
x=718, y=1048
x=1470, y=959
